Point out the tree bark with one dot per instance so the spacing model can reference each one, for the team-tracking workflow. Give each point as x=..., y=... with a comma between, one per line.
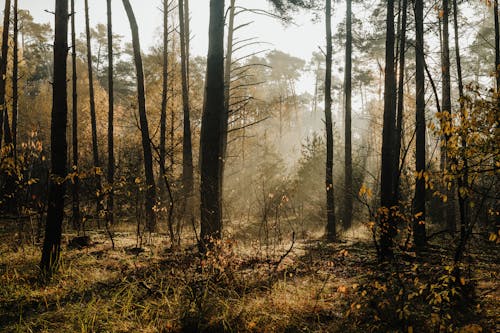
x=400, y=98
x=497, y=47
x=387, y=199
x=446, y=109
x=141, y=98
x=348, y=120
x=211, y=130
x=419, y=234
x=187, y=147
x=111, y=101
x=74, y=126
x=93, y=119
x=55, y=214
x=15, y=79
x=3, y=71
x=331, y=232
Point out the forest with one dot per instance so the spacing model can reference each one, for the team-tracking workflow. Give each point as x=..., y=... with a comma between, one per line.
x=147, y=188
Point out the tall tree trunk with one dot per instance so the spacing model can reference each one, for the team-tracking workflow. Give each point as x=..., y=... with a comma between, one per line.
x=58, y=153
x=400, y=97
x=15, y=79
x=3, y=70
x=141, y=99
x=187, y=147
x=211, y=127
x=348, y=110
x=497, y=47
x=163, y=122
x=111, y=102
x=93, y=120
x=387, y=200
x=463, y=180
x=419, y=235
x=227, y=78
x=76, y=181
x=446, y=109
x=331, y=228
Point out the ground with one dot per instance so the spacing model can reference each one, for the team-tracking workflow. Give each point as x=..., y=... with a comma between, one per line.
x=308, y=287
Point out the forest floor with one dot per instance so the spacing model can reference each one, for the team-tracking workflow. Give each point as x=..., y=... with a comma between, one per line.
x=308, y=287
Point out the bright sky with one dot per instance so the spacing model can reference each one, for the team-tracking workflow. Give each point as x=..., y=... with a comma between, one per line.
x=299, y=40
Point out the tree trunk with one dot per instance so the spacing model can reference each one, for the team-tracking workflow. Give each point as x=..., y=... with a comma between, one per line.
x=497, y=47
x=187, y=147
x=387, y=200
x=93, y=120
x=15, y=79
x=331, y=230
x=227, y=79
x=111, y=99
x=400, y=98
x=211, y=131
x=141, y=98
x=446, y=109
x=3, y=70
x=348, y=110
x=163, y=122
x=58, y=153
x=419, y=235
x=76, y=182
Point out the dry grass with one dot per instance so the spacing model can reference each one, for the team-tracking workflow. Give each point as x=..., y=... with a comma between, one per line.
x=103, y=290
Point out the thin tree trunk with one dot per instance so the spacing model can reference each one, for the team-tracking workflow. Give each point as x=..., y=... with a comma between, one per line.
x=55, y=214
x=419, y=234
x=93, y=120
x=15, y=79
x=387, y=200
x=446, y=109
x=111, y=98
x=76, y=181
x=348, y=121
x=141, y=98
x=187, y=147
x=463, y=181
x=163, y=123
x=400, y=98
x=497, y=47
x=3, y=70
x=211, y=131
x=227, y=78
x=331, y=230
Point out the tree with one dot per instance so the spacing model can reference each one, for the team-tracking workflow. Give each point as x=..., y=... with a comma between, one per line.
x=93, y=118
x=497, y=48
x=211, y=127
x=76, y=182
x=58, y=154
x=4, y=127
x=227, y=77
x=330, y=203
x=15, y=78
x=348, y=108
x=419, y=200
x=141, y=99
x=187, y=147
x=400, y=97
x=111, y=154
x=387, y=225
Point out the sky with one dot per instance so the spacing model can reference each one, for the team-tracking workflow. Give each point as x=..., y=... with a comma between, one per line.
x=299, y=39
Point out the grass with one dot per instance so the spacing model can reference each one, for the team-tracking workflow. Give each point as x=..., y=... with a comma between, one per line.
x=317, y=288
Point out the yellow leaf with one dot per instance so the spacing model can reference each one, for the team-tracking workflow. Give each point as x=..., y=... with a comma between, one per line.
x=410, y=329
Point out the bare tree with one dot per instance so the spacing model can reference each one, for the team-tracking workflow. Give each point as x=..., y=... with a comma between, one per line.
x=330, y=203
x=74, y=125
x=211, y=127
x=4, y=127
x=58, y=153
x=347, y=222
x=111, y=101
x=141, y=99
x=419, y=201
